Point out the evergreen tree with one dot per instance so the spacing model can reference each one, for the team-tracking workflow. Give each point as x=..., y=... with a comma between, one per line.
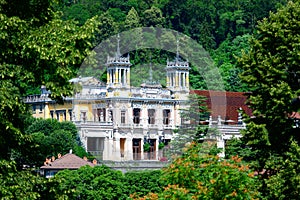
x=271, y=70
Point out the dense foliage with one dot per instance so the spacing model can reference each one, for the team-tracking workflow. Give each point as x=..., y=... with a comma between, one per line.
x=47, y=138
x=101, y=182
x=195, y=174
x=17, y=184
x=222, y=28
x=37, y=47
x=271, y=70
x=198, y=175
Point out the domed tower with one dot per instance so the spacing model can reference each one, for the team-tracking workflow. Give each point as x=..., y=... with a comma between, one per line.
x=178, y=75
x=118, y=70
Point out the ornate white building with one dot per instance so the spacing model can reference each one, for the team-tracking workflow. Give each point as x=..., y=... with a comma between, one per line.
x=115, y=120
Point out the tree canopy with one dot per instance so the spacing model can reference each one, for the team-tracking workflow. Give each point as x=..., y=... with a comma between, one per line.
x=271, y=70
x=37, y=48
x=222, y=28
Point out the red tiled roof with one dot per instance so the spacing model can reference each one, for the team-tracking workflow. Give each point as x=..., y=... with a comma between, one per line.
x=68, y=161
x=224, y=103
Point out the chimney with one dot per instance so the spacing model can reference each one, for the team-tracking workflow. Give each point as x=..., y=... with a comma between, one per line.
x=95, y=162
x=52, y=158
x=59, y=156
x=70, y=152
x=85, y=158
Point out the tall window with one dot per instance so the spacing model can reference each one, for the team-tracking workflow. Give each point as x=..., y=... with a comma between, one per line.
x=136, y=115
x=101, y=114
x=151, y=116
x=110, y=115
x=166, y=116
x=83, y=116
x=70, y=115
x=34, y=108
x=123, y=112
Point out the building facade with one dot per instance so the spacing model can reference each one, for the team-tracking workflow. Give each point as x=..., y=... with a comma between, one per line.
x=117, y=121
x=114, y=119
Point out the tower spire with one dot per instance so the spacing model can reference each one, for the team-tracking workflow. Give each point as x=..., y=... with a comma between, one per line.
x=177, y=50
x=118, y=46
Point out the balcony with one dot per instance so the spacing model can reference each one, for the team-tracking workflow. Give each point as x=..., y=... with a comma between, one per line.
x=90, y=96
x=93, y=123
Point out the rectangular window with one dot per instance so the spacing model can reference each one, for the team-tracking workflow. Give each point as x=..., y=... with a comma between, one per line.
x=151, y=116
x=34, y=108
x=136, y=115
x=111, y=115
x=70, y=115
x=83, y=116
x=166, y=116
x=123, y=112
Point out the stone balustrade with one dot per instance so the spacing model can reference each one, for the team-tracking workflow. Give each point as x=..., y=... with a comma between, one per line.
x=36, y=98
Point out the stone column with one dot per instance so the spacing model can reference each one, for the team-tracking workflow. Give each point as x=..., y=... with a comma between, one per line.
x=117, y=76
x=128, y=148
x=142, y=149
x=125, y=76
x=120, y=76
x=117, y=152
x=108, y=77
x=187, y=80
x=173, y=79
x=156, y=147
x=128, y=77
x=176, y=79
x=179, y=79
x=184, y=81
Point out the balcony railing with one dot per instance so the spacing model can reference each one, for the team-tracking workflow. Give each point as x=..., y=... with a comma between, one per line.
x=36, y=98
x=90, y=96
x=96, y=123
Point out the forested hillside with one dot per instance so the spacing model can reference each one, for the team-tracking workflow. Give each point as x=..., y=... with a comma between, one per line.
x=221, y=27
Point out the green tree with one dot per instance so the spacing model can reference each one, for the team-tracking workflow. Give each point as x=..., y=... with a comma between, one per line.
x=37, y=48
x=153, y=17
x=48, y=138
x=198, y=175
x=271, y=70
x=132, y=19
x=285, y=184
x=18, y=184
x=99, y=182
x=225, y=57
x=194, y=127
x=144, y=181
